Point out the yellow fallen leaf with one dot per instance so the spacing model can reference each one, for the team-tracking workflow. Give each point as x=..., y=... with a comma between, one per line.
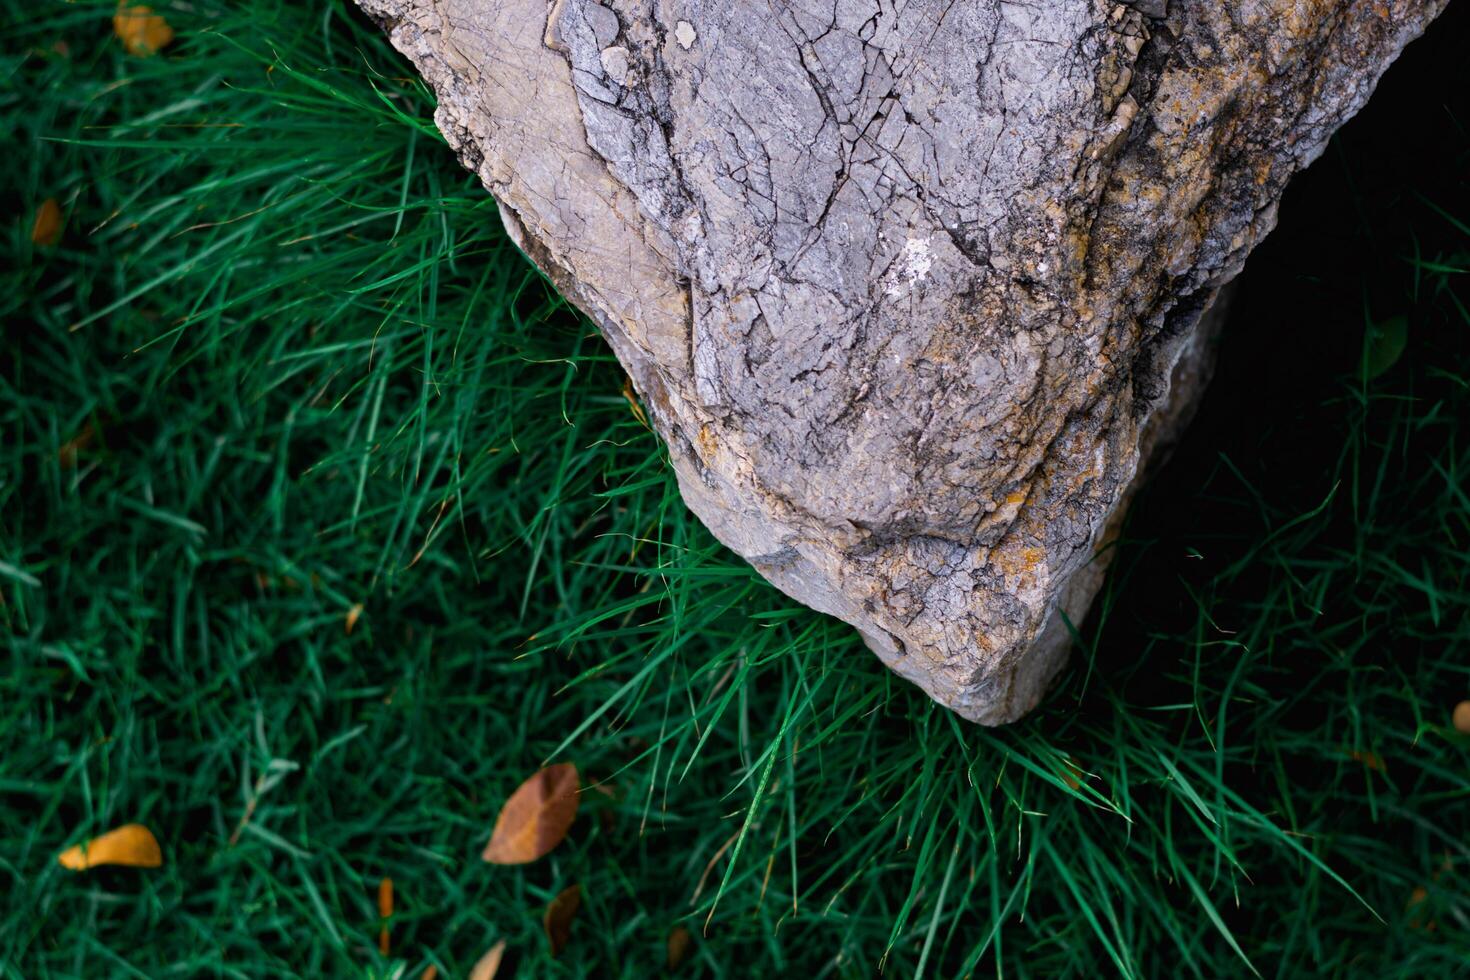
x=489, y=964
x=141, y=31
x=46, y=230
x=353, y=615
x=132, y=845
x=536, y=817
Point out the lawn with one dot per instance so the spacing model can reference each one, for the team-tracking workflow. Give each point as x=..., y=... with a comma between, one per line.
x=324, y=522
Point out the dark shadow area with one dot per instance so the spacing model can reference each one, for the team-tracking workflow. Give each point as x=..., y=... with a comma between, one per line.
x=1342, y=255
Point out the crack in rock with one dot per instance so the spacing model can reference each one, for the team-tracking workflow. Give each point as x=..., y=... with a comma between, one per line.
x=912, y=290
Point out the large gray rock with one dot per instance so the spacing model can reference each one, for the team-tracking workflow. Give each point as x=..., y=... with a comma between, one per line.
x=910, y=289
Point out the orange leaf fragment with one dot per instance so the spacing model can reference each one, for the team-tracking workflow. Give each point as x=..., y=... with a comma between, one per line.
x=1372, y=760
x=537, y=816
x=385, y=910
x=489, y=964
x=141, y=31
x=385, y=897
x=132, y=845
x=559, y=916
x=1460, y=718
x=680, y=943
x=353, y=615
x=46, y=229
x=632, y=397
x=430, y=972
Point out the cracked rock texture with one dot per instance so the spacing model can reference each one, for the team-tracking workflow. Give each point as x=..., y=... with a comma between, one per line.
x=911, y=289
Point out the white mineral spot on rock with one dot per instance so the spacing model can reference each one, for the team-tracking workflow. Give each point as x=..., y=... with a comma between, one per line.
x=693, y=227
x=684, y=34
x=615, y=64
x=916, y=256
x=917, y=261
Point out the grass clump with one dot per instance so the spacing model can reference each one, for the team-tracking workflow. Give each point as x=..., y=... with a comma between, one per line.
x=282, y=363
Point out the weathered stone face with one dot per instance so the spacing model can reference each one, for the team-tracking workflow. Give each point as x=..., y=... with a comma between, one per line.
x=911, y=290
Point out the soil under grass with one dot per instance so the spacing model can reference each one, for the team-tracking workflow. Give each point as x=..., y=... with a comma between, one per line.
x=283, y=363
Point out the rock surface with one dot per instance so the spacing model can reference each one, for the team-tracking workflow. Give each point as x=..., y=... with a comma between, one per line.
x=911, y=289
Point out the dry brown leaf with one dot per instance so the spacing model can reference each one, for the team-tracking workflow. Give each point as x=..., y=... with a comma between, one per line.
x=489, y=964
x=1460, y=717
x=430, y=972
x=1416, y=921
x=46, y=229
x=132, y=845
x=606, y=815
x=385, y=911
x=353, y=615
x=680, y=944
x=141, y=31
x=66, y=456
x=559, y=916
x=536, y=817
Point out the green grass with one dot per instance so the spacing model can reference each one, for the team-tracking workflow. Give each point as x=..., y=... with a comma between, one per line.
x=284, y=361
